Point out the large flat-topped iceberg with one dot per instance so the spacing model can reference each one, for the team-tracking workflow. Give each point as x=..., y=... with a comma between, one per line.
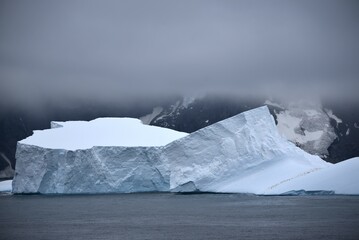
x=125, y=132
x=244, y=153
x=101, y=156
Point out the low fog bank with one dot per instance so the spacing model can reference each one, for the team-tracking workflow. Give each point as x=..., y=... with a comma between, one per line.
x=67, y=53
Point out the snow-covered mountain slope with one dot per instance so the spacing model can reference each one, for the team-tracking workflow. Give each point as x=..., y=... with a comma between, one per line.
x=305, y=124
x=100, y=156
x=168, y=116
x=243, y=153
x=340, y=178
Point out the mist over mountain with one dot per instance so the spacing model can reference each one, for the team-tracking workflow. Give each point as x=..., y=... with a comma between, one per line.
x=124, y=51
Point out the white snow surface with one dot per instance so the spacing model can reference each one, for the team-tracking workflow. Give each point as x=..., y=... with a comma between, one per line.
x=6, y=186
x=342, y=178
x=308, y=126
x=347, y=132
x=332, y=116
x=287, y=124
x=126, y=132
x=149, y=117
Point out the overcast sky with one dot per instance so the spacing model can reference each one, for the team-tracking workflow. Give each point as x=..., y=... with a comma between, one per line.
x=115, y=50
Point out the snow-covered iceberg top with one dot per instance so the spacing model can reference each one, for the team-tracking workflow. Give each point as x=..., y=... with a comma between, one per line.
x=125, y=132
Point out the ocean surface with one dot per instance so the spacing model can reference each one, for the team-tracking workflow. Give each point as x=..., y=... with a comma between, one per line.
x=178, y=216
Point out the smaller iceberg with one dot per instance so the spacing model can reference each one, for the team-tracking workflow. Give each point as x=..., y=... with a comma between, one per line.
x=307, y=193
x=6, y=186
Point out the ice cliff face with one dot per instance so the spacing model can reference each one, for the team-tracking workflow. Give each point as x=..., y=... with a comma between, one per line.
x=95, y=170
x=65, y=159
x=244, y=153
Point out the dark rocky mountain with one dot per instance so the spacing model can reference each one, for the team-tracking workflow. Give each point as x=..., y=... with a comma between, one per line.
x=325, y=129
x=322, y=128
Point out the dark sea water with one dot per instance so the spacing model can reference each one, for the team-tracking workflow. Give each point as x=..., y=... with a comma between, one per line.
x=172, y=216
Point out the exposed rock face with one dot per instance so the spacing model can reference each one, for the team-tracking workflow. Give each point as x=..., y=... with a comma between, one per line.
x=307, y=125
x=244, y=153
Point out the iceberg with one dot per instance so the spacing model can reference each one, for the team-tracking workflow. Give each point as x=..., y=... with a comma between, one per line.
x=241, y=154
x=107, y=155
x=5, y=186
x=244, y=153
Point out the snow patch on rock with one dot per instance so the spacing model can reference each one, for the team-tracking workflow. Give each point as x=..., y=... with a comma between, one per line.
x=147, y=119
x=332, y=116
x=308, y=127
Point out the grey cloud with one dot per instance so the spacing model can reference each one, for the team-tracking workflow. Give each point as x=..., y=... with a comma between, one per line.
x=115, y=50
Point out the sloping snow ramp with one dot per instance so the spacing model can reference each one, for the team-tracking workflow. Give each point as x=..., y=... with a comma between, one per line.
x=339, y=178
